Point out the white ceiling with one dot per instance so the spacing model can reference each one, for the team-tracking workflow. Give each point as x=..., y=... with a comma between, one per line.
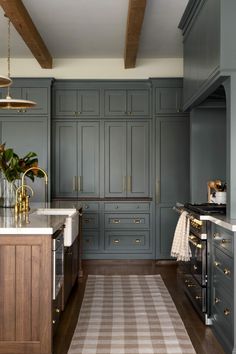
x=96, y=29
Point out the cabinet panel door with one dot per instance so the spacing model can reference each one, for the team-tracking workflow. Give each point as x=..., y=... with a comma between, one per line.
x=138, y=102
x=38, y=95
x=168, y=100
x=65, y=152
x=88, y=102
x=115, y=103
x=115, y=159
x=174, y=161
x=168, y=221
x=88, y=158
x=25, y=135
x=138, y=156
x=66, y=102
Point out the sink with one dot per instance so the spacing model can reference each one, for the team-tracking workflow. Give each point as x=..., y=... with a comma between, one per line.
x=71, y=222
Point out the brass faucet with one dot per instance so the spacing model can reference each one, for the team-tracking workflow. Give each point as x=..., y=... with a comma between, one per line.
x=22, y=199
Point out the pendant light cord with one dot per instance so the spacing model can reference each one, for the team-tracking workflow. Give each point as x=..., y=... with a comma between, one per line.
x=8, y=54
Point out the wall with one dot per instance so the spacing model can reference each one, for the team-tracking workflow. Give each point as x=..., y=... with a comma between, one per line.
x=207, y=150
x=95, y=68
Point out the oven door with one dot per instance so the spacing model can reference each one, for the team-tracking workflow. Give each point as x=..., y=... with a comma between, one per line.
x=198, y=259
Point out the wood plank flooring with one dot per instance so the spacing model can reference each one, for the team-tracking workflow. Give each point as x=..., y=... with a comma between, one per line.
x=201, y=336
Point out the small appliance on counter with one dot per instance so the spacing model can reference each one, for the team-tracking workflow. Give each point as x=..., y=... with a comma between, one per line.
x=216, y=192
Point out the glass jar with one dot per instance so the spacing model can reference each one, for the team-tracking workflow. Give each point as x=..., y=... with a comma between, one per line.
x=8, y=192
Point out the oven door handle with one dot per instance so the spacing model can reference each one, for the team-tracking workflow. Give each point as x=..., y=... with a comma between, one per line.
x=191, y=239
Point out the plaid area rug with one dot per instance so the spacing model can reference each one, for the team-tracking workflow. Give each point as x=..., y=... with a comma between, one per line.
x=129, y=315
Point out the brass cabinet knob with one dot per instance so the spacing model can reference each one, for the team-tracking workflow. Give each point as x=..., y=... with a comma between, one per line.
x=137, y=221
x=58, y=310
x=191, y=285
x=224, y=241
x=217, y=300
x=216, y=234
x=217, y=263
x=53, y=321
x=138, y=241
x=226, y=271
x=197, y=297
x=226, y=312
x=195, y=267
x=116, y=241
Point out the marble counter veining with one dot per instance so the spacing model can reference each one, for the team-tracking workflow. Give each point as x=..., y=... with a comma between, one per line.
x=28, y=223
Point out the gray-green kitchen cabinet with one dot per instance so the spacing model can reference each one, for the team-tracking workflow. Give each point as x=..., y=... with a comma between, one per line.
x=127, y=103
x=127, y=158
x=76, y=103
x=172, y=177
x=76, y=159
x=168, y=100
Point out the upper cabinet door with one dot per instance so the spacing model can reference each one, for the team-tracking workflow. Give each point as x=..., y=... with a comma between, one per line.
x=138, y=159
x=66, y=103
x=65, y=159
x=88, y=159
x=138, y=103
x=115, y=103
x=88, y=103
x=77, y=103
x=168, y=100
x=115, y=159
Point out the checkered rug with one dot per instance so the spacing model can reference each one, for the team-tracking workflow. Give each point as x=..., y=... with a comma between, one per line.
x=129, y=315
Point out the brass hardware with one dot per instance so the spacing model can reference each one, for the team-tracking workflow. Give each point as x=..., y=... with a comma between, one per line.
x=137, y=221
x=22, y=199
x=226, y=312
x=58, y=310
x=78, y=113
x=186, y=281
x=158, y=193
x=226, y=271
x=195, y=267
x=129, y=183
x=53, y=321
x=223, y=241
x=138, y=241
x=75, y=113
x=129, y=113
x=79, y=183
x=196, y=244
x=198, y=297
x=74, y=184
x=217, y=263
x=217, y=300
x=115, y=221
x=116, y=241
x=191, y=285
x=216, y=234
x=86, y=206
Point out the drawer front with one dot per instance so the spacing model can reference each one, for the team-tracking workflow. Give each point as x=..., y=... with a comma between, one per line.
x=195, y=292
x=129, y=221
x=90, y=241
x=127, y=242
x=89, y=206
x=127, y=206
x=223, y=315
x=90, y=221
x=223, y=272
x=224, y=240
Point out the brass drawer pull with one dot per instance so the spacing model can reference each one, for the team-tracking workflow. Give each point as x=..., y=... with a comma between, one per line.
x=115, y=221
x=224, y=241
x=197, y=297
x=217, y=300
x=138, y=241
x=226, y=312
x=116, y=241
x=226, y=271
x=137, y=221
x=191, y=285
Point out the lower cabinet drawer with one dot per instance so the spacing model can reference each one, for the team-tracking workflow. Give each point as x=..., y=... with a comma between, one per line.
x=90, y=240
x=223, y=316
x=224, y=240
x=90, y=221
x=127, y=206
x=127, y=241
x=223, y=271
x=130, y=221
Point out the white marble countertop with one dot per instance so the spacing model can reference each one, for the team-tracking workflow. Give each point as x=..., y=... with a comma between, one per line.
x=29, y=223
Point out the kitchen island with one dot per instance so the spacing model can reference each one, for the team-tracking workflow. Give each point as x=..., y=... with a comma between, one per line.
x=26, y=278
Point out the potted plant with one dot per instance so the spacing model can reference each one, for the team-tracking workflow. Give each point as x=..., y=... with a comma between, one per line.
x=12, y=167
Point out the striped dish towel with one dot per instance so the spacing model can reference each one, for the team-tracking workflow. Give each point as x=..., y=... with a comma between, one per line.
x=180, y=246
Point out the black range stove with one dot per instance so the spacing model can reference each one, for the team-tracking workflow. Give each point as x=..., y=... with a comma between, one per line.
x=206, y=208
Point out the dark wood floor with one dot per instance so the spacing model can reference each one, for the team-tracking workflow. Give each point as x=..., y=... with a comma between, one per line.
x=201, y=336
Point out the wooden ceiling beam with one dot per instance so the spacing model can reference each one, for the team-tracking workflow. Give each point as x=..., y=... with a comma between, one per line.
x=134, y=25
x=21, y=20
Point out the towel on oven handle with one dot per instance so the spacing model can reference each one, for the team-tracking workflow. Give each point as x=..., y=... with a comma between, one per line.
x=180, y=246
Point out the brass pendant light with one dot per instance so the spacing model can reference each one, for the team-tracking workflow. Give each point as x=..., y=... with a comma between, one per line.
x=9, y=102
x=5, y=81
